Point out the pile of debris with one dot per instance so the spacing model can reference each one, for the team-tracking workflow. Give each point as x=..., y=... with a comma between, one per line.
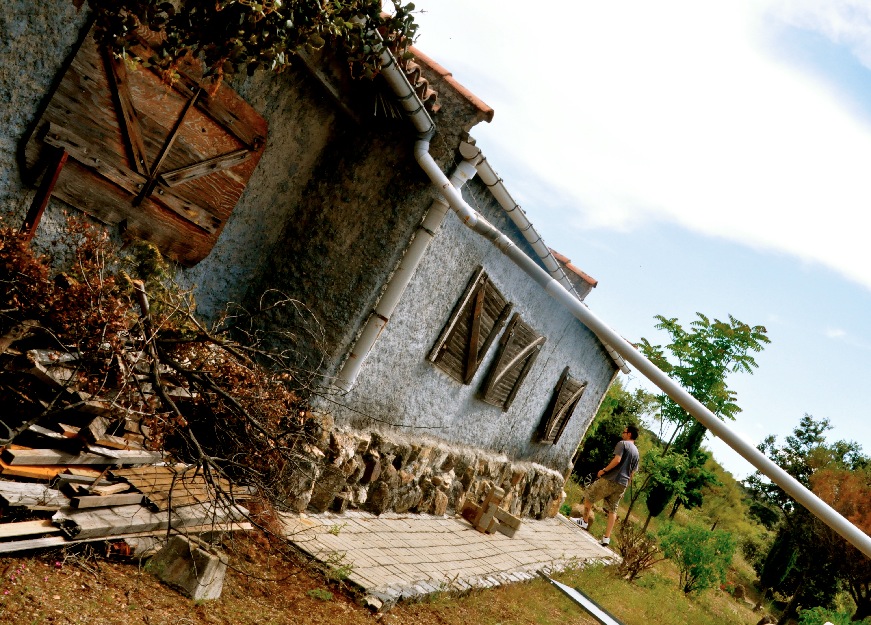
x=76, y=467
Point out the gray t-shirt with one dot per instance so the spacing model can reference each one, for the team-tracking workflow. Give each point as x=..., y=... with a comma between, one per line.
x=628, y=453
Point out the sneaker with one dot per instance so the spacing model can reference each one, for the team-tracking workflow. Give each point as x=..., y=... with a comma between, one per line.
x=581, y=523
x=606, y=540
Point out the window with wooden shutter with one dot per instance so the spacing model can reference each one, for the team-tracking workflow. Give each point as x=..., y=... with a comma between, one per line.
x=518, y=349
x=566, y=396
x=168, y=163
x=471, y=329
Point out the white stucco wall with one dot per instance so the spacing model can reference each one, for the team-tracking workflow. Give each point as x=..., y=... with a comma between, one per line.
x=398, y=385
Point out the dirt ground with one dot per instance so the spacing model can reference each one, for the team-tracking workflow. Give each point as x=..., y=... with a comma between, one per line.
x=85, y=587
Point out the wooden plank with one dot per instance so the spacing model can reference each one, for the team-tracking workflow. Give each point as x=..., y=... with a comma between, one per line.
x=204, y=168
x=55, y=456
x=110, y=489
x=70, y=431
x=503, y=516
x=59, y=541
x=27, y=528
x=127, y=117
x=136, y=518
x=102, y=501
x=57, y=161
x=116, y=442
x=17, y=494
x=37, y=472
x=472, y=354
x=83, y=471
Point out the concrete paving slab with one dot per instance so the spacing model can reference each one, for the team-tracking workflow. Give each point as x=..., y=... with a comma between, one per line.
x=396, y=556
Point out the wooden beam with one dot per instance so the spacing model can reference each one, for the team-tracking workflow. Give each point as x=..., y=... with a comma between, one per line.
x=58, y=541
x=40, y=200
x=57, y=457
x=127, y=118
x=102, y=501
x=204, y=168
x=15, y=494
x=27, y=528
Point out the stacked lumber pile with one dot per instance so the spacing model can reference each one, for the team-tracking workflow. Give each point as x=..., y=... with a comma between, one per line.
x=75, y=467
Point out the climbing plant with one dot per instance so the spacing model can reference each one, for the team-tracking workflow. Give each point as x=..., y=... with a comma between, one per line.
x=243, y=36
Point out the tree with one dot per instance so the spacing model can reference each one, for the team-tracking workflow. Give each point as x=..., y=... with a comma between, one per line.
x=700, y=359
x=701, y=555
x=848, y=492
x=811, y=574
x=235, y=36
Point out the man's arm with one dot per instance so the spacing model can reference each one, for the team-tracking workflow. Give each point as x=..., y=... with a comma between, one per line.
x=614, y=462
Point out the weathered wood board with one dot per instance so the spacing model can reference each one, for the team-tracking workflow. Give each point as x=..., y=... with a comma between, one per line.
x=167, y=163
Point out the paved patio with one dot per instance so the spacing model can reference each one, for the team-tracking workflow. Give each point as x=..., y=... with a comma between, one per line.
x=396, y=556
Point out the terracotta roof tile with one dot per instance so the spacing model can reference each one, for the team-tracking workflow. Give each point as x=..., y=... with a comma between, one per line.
x=567, y=264
x=486, y=111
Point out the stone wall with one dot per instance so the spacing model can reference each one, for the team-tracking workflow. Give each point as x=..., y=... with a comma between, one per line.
x=374, y=472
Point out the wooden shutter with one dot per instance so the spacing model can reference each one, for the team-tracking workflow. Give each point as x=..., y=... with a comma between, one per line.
x=566, y=395
x=166, y=162
x=477, y=318
x=518, y=349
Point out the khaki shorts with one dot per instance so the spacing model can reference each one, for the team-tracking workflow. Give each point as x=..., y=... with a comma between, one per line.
x=610, y=492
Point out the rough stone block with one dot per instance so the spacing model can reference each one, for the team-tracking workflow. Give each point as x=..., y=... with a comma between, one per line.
x=192, y=568
x=329, y=484
x=440, y=505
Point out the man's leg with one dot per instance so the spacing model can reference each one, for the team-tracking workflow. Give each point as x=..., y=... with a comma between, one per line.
x=612, y=519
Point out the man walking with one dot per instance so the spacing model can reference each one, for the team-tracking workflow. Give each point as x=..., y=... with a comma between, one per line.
x=612, y=481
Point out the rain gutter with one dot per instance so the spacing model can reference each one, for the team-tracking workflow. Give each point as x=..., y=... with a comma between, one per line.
x=472, y=219
x=497, y=187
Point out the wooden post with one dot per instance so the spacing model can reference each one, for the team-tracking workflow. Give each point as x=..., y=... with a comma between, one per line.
x=40, y=200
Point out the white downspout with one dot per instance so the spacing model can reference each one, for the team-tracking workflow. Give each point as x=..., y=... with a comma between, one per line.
x=476, y=222
x=515, y=213
x=398, y=282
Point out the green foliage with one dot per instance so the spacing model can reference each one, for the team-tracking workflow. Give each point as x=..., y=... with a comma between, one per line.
x=700, y=360
x=243, y=36
x=701, y=555
x=664, y=471
x=321, y=594
x=806, y=561
x=820, y=616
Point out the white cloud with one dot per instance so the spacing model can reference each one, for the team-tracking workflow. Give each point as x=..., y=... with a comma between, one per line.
x=672, y=111
x=844, y=22
x=835, y=333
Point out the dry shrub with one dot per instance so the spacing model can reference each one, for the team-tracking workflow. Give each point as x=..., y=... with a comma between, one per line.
x=638, y=549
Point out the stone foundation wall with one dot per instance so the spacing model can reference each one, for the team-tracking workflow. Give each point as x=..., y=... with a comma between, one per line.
x=376, y=472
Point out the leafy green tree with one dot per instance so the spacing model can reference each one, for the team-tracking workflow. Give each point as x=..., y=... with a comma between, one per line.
x=700, y=359
x=664, y=472
x=702, y=556
x=814, y=570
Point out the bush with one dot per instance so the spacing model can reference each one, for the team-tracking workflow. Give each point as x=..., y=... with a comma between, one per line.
x=701, y=555
x=820, y=616
x=637, y=548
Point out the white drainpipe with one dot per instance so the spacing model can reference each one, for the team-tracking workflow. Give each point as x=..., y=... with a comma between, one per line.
x=497, y=187
x=476, y=222
x=398, y=282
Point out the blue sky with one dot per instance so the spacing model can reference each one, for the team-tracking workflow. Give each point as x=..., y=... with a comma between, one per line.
x=693, y=156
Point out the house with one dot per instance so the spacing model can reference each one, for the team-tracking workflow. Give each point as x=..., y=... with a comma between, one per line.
x=437, y=360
